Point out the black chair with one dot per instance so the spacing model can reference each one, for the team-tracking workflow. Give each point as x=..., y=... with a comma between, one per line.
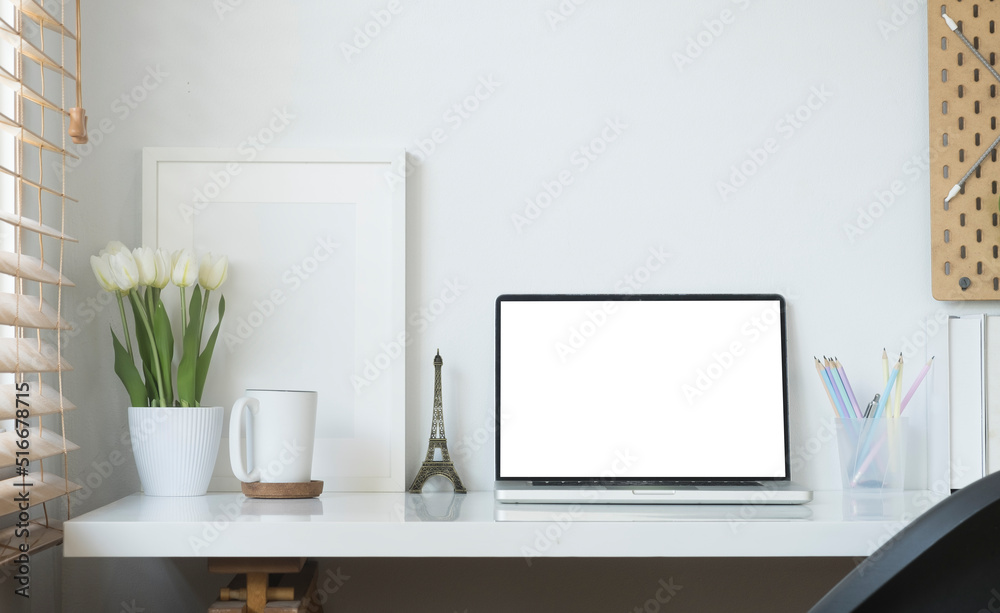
x=948, y=559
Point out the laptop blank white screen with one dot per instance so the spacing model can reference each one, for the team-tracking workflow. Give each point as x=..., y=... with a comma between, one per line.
x=641, y=389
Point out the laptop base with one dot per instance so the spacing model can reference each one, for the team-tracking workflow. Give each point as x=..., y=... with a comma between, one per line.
x=769, y=492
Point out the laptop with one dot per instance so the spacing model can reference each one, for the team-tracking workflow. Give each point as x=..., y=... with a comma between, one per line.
x=642, y=399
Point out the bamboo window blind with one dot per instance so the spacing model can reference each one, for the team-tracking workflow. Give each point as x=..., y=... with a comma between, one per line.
x=39, y=109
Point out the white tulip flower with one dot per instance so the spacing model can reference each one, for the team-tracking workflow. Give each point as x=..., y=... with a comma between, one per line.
x=124, y=270
x=113, y=247
x=184, y=268
x=102, y=270
x=213, y=271
x=146, y=263
x=164, y=267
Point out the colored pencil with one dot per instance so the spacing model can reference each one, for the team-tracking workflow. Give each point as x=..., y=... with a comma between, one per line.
x=897, y=395
x=916, y=384
x=841, y=388
x=838, y=393
x=827, y=386
x=885, y=368
x=888, y=387
x=850, y=391
x=868, y=460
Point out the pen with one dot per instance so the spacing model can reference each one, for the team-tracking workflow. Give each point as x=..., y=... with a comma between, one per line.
x=872, y=404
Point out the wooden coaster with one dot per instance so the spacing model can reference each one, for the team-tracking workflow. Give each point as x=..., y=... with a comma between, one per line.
x=311, y=489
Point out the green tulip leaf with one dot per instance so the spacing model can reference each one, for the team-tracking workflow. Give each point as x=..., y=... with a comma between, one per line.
x=205, y=359
x=129, y=374
x=165, y=350
x=141, y=338
x=150, y=383
x=186, y=371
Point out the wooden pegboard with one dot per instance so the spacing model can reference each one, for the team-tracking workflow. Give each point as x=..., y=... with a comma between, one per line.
x=964, y=105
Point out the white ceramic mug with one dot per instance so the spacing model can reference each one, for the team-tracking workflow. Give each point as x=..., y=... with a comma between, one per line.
x=281, y=427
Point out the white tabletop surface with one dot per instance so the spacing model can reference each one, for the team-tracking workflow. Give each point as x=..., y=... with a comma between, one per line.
x=473, y=525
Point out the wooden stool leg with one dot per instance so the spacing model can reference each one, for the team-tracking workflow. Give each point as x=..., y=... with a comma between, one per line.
x=249, y=591
x=256, y=592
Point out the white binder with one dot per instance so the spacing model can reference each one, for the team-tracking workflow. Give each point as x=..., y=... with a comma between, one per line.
x=967, y=397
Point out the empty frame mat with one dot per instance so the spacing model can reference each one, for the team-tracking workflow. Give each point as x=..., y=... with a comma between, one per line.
x=315, y=291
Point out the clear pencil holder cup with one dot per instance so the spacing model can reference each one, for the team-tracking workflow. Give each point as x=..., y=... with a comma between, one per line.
x=872, y=453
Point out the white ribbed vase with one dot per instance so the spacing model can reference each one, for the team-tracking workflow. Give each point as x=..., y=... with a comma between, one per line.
x=175, y=448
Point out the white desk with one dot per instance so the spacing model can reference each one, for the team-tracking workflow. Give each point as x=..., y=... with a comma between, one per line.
x=403, y=525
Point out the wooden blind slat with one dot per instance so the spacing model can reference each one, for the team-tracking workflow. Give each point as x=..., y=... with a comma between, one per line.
x=42, y=399
x=31, y=268
x=40, y=446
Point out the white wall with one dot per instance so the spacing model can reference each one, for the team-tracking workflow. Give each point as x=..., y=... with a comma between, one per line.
x=215, y=78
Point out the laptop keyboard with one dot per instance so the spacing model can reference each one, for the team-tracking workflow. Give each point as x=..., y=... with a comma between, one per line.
x=648, y=483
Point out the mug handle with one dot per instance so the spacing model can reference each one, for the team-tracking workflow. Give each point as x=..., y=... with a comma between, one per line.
x=236, y=433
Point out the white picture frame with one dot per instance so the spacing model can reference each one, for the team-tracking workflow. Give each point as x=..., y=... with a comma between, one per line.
x=316, y=292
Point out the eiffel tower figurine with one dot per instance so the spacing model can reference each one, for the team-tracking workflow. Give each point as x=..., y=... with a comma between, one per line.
x=444, y=466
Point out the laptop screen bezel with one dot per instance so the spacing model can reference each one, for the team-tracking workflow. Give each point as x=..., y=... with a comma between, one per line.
x=610, y=480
